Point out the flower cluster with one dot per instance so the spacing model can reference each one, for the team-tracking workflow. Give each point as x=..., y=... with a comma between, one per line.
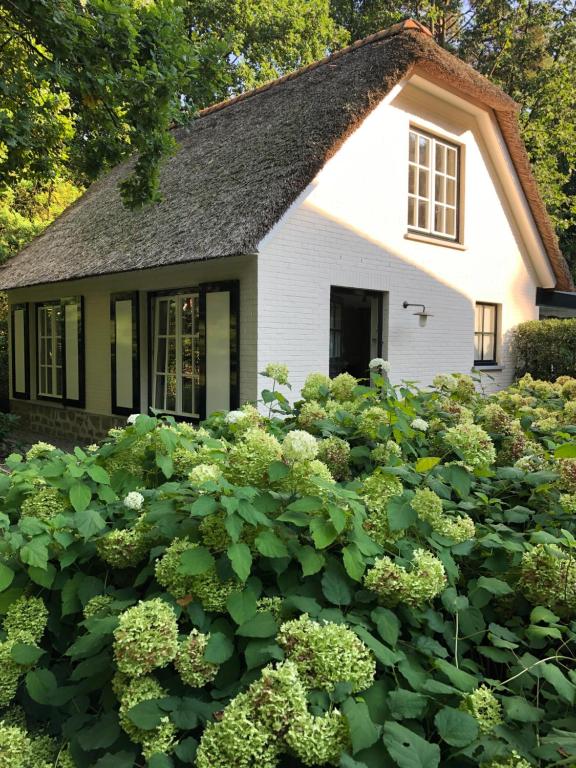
x=189, y=661
x=159, y=739
x=251, y=456
x=310, y=414
x=248, y=416
x=44, y=504
x=513, y=761
x=548, y=577
x=134, y=500
x=126, y=547
x=11, y=674
x=26, y=619
x=301, y=478
x=205, y=473
x=473, y=444
x=319, y=740
x=277, y=371
x=384, y=452
x=15, y=747
x=335, y=453
x=371, y=420
x=39, y=449
x=326, y=654
x=376, y=491
x=567, y=471
x=342, y=387
x=146, y=637
x=378, y=363
x=299, y=446
x=419, y=424
x=484, y=708
x=445, y=381
x=316, y=387
x=98, y=606
x=417, y=587
x=428, y=507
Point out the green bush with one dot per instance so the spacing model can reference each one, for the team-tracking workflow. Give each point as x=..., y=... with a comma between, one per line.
x=545, y=348
x=379, y=576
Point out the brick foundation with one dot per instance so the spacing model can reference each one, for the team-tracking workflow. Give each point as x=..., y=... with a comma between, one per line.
x=49, y=421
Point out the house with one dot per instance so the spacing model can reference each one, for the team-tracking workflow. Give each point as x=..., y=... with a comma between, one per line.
x=378, y=203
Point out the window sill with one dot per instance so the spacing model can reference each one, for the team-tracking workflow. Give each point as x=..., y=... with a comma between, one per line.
x=488, y=368
x=434, y=241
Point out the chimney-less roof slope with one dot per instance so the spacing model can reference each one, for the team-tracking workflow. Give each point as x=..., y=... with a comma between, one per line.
x=241, y=164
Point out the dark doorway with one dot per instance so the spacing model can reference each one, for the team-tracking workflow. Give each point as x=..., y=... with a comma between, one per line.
x=355, y=330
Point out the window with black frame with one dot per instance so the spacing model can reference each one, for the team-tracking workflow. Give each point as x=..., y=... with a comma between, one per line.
x=485, y=334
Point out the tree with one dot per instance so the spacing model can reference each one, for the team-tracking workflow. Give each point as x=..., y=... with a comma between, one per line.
x=86, y=82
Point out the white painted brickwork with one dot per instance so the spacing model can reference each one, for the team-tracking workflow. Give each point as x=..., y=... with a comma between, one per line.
x=348, y=229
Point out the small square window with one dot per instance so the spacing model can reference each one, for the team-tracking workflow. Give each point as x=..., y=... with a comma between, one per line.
x=485, y=334
x=433, y=169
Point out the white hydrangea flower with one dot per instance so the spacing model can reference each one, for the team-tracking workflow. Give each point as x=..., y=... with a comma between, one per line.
x=419, y=424
x=232, y=417
x=379, y=362
x=93, y=448
x=299, y=446
x=134, y=500
x=132, y=418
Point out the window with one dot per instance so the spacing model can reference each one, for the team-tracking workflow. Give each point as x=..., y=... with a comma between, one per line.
x=485, y=329
x=176, y=362
x=50, y=350
x=432, y=186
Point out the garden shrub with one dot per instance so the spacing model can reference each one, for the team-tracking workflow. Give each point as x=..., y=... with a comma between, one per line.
x=545, y=348
x=376, y=576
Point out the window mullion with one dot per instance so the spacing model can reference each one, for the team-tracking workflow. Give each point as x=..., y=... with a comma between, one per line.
x=431, y=182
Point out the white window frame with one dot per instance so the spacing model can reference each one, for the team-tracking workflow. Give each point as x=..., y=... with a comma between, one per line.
x=55, y=325
x=428, y=195
x=178, y=336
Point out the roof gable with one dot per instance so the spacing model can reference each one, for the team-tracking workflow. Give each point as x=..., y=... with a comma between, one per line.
x=242, y=163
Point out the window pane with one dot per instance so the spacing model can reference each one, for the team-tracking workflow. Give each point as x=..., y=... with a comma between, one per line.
x=187, y=356
x=411, y=212
x=160, y=391
x=423, y=183
x=440, y=158
x=423, y=151
x=171, y=393
x=171, y=367
x=439, y=188
x=478, y=318
x=412, y=180
x=162, y=316
x=161, y=356
x=489, y=343
x=187, y=315
x=422, y=214
x=412, y=147
x=439, y=218
x=451, y=165
x=489, y=317
x=477, y=346
x=450, y=191
x=450, y=226
x=187, y=398
x=59, y=381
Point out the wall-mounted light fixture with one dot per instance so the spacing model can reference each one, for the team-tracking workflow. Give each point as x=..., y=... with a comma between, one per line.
x=421, y=314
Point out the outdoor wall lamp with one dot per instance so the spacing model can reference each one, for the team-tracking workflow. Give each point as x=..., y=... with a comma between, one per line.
x=421, y=314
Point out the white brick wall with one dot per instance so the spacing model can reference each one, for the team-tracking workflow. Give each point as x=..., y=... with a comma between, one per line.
x=348, y=229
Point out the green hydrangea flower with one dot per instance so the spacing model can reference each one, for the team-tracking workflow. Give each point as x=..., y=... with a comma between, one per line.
x=445, y=381
x=384, y=452
x=342, y=387
x=15, y=747
x=126, y=547
x=159, y=739
x=548, y=578
x=10, y=674
x=205, y=473
x=495, y=419
x=416, y=587
x=428, y=507
x=273, y=604
x=376, y=491
x=311, y=413
x=39, y=449
x=189, y=661
x=316, y=387
x=277, y=371
x=370, y=421
x=98, y=606
x=146, y=637
x=569, y=390
x=26, y=619
x=326, y=654
x=319, y=740
x=299, y=446
x=300, y=479
x=251, y=456
x=335, y=453
x=473, y=444
x=567, y=471
x=513, y=761
x=43, y=751
x=568, y=503
x=44, y=504
x=484, y=708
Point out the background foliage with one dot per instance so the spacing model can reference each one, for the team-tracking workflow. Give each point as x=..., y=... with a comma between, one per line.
x=545, y=348
x=427, y=534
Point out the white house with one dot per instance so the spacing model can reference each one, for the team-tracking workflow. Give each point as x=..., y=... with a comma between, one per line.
x=297, y=222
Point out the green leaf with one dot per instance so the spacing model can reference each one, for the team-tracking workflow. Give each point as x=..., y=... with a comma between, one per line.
x=459, y=478
x=310, y=560
x=80, y=496
x=41, y=685
x=196, y=561
x=388, y=625
x=242, y=606
x=494, y=586
x=400, y=513
x=98, y=474
x=205, y=505
x=406, y=704
x=117, y=760
x=306, y=504
x=186, y=749
x=336, y=587
x=462, y=680
x=270, y=545
x=260, y=651
x=165, y=464
x=25, y=654
x=384, y=655
x=160, y=760
x=558, y=680
x=338, y=517
x=363, y=732
x=408, y=750
x=241, y=559
x=278, y=471
x=565, y=451
x=101, y=734
x=89, y=522
x=219, y=648
x=6, y=577
x=427, y=463
x=43, y=576
x=456, y=727
x=517, y=708
x=323, y=532
x=261, y=625
x=353, y=562
x=348, y=762
x=543, y=614
x=185, y=714
x=146, y=715
x=35, y=553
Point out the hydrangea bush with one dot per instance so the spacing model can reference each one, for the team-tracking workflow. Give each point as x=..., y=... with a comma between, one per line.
x=374, y=576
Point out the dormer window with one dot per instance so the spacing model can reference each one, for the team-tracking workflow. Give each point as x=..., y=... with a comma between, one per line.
x=433, y=166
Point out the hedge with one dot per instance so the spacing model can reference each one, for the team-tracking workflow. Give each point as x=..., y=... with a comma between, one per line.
x=545, y=348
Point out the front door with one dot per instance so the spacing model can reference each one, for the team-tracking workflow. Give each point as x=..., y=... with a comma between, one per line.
x=355, y=330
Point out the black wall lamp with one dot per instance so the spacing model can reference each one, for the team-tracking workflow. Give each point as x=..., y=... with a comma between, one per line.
x=421, y=314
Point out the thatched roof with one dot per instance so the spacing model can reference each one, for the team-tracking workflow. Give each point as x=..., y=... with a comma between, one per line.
x=241, y=164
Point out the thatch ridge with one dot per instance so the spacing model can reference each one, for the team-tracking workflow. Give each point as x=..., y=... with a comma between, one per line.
x=242, y=162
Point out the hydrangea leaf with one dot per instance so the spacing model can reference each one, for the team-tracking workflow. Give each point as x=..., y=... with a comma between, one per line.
x=241, y=559
x=270, y=545
x=242, y=606
x=80, y=496
x=219, y=649
x=310, y=560
x=195, y=561
x=408, y=750
x=456, y=727
x=261, y=625
x=363, y=731
x=6, y=577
